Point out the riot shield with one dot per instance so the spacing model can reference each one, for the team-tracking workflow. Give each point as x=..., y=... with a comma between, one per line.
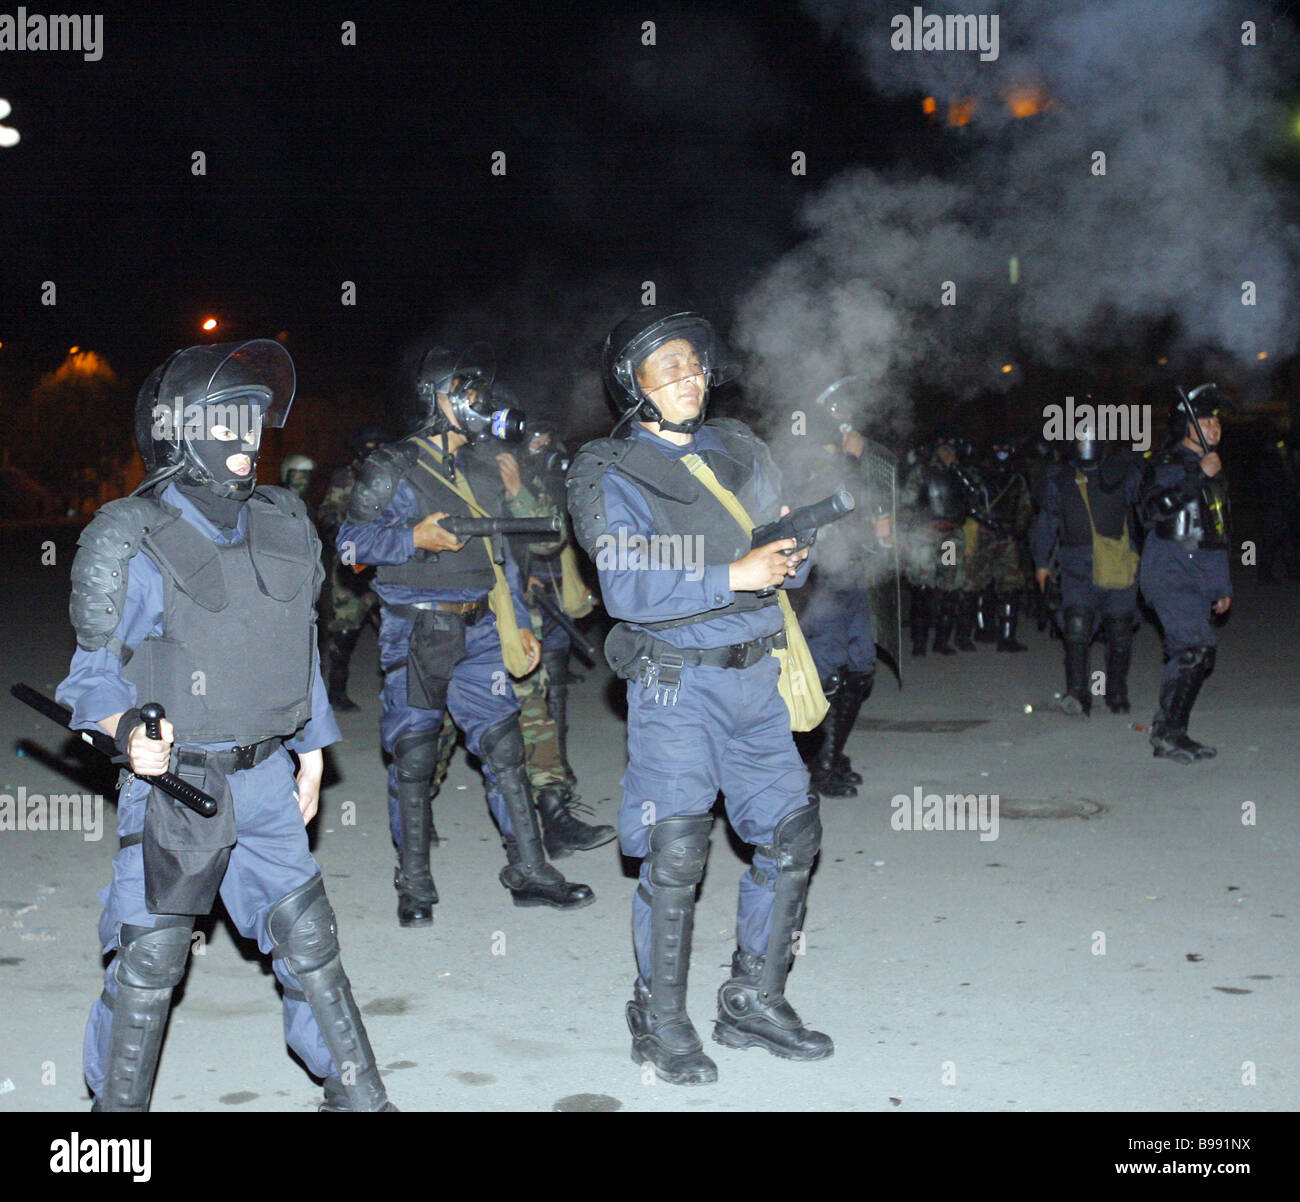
x=880, y=470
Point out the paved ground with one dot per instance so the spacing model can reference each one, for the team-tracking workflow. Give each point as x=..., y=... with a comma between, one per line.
x=954, y=973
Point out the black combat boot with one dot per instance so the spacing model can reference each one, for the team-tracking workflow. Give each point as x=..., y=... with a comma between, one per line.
x=531, y=880
x=1118, y=633
x=967, y=604
x=414, y=760
x=986, y=616
x=556, y=666
x=341, y=644
x=945, y=618
x=562, y=829
x=752, y=1008
x=857, y=688
x=1177, y=696
x=662, y=1032
x=1077, y=626
x=830, y=736
x=920, y=617
x=1008, y=617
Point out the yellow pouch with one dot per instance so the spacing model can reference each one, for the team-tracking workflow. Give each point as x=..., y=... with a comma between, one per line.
x=1114, y=562
x=499, y=600
x=575, y=596
x=800, y=686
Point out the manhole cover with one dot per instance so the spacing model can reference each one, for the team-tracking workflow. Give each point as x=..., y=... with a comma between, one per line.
x=936, y=726
x=587, y=1101
x=1047, y=807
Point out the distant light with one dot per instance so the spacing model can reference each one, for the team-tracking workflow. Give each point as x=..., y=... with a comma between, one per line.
x=1262, y=355
x=960, y=111
x=210, y=324
x=8, y=136
x=928, y=106
x=282, y=336
x=1161, y=362
x=5, y=109
x=72, y=350
x=1013, y=269
x=1007, y=368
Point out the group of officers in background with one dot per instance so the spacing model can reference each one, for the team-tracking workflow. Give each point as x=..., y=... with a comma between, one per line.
x=458, y=537
x=1080, y=528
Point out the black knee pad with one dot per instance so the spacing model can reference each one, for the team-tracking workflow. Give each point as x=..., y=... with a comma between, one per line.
x=1078, y=624
x=1197, y=657
x=796, y=839
x=678, y=849
x=502, y=745
x=831, y=683
x=415, y=755
x=303, y=929
x=153, y=957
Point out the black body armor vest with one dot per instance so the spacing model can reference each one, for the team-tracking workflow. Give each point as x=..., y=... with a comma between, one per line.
x=234, y=661
x=470, y=567
x=1109, y=509
x=1204, y=522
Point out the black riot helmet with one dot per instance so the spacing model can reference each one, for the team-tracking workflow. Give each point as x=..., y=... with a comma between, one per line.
x=239, y=388
x=636, y=337
x=1086, y=448
x=366, y=439
x=1206, y=400
x=465, y=379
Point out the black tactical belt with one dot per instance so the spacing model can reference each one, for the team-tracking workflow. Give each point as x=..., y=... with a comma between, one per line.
x=234, y=759
x=738, y=655
x=472, y=611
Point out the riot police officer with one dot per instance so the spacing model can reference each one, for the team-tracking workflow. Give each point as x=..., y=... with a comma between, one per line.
x=837, y=618
x=940, y=537
x=198, y=592
x=996, y=570
x=1087, y=503
x=543, y=695
x=1184, y=572
x=452, y=621
x=704, y=710
x=296, y=472
x=350, y=599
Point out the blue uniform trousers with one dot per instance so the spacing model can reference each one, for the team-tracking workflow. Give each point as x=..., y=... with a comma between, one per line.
x=270, y=859
x=480, y=696
x=729, y=731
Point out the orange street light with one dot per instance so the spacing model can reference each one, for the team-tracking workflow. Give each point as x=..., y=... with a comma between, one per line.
x=210, y=324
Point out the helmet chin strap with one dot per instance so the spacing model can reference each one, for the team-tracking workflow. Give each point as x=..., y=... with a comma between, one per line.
x=687, y=427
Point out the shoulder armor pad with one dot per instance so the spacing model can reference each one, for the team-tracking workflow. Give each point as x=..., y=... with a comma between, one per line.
x=289, y=503
x=284, y=499
x=748, y=450
x=582, y=485
x=378, y=479
x=99, y=571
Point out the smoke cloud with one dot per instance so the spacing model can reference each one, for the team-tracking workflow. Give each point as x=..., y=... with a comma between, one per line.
x=1187, y=215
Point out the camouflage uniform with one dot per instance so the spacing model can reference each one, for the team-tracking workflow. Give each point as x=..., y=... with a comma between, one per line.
x=938, y=550
x=999, y=558
x=541, y=692
x=351, y=600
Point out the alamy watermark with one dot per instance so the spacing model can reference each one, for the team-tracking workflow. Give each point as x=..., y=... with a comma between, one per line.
x=953, y=31
x=173, y=422
x=922, y=811
x=626, y=552
x=82, y=812
x=1107, y=423
x=54, y=31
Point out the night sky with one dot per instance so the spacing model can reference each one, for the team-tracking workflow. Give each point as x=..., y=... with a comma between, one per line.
x=371, y=163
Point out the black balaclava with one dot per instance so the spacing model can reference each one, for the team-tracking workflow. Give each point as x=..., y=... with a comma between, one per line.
x=215, y=489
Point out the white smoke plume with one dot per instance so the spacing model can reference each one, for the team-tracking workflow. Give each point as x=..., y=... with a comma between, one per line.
x=1188, y=211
